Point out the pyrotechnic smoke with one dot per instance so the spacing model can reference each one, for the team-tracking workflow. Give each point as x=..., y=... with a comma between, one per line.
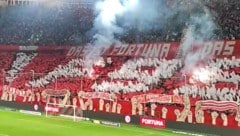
x=105, y=22
x=115, y=17
x=201, y=27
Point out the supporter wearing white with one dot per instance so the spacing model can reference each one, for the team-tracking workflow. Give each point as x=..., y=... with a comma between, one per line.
x=220, y=71
x=131, y=70
x=69, y=70
x=209, y=92
x=22, y=59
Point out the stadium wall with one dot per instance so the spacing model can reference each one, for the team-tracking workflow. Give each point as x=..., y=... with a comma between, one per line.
x=131, y=119
x=178, y=126
x=21, y=106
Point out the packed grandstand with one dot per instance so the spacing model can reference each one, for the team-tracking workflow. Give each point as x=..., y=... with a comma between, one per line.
x=50, y=51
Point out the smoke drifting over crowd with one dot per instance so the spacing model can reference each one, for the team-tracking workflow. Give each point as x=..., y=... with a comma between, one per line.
x=201, y=27
x=116, y=17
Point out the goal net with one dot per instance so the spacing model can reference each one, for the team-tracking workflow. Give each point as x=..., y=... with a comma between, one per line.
x=58, y=104
x=68, y=111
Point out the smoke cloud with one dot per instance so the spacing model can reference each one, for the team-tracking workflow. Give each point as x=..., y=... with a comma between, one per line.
x=200, y=28
x=115, y=17
x=105, y=22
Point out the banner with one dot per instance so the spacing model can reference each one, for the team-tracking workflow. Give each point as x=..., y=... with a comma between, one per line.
x=28, y=48
x=159, y=98
x=177, y=99
x=218, y=105
x=92, y=95
x=52, y=92
x=167, y=50
x=9, y=48
x=144, y=98
x=151, y=50
x=152, y=122
x=52, y=109
x=218, y=49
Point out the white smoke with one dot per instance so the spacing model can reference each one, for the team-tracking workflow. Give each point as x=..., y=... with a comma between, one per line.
x=115, y=17
x=105, y=23
x=201, y=27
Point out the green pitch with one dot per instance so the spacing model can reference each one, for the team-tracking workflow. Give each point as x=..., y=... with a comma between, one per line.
x=19, y=124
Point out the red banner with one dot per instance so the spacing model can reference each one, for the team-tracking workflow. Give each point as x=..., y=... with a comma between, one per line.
x=52, y=92
x=159, y=98
x=152, y=50
x=169, y=50
x=218, y=105
x=92, y=95
x=144, y=98
x=9, y=48
x=217, y=48
x=177, y=99
x=165, y=50
x=152, y=122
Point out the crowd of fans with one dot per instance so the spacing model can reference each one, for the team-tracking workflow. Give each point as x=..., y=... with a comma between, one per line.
x=58, y=25
x=22, y=59
x=140, y=75
x=209, y=92
x=226, y=14
x=67, y=71
x=220, y=82
x=72, y=23
x=125, y=84
x=219, y=70
x=147, y=71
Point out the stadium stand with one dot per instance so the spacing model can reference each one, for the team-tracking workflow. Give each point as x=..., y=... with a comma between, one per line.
x=36, y=55
x=78, y=20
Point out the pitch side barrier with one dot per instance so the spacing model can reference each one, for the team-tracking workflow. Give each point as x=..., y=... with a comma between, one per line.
x=21, y=106
x=135, y=120
x=179, y=126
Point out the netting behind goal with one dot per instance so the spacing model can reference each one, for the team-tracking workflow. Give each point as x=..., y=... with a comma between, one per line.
x=69, y=111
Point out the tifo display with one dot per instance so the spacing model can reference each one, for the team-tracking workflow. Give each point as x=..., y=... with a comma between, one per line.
x=129, y=85
x=169, y=65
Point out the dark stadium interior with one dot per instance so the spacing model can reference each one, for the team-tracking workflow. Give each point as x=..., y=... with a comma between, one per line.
x=70, y=24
